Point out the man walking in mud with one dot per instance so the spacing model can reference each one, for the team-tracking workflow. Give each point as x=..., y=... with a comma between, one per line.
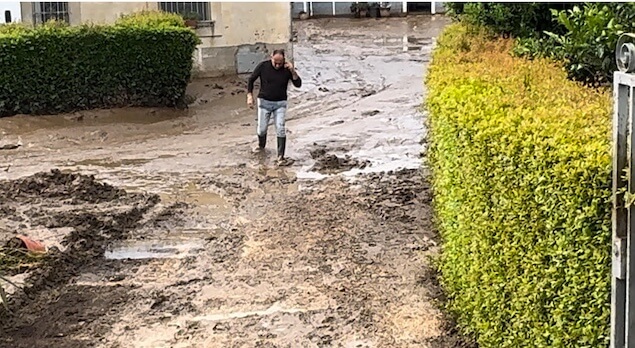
x=274, y=77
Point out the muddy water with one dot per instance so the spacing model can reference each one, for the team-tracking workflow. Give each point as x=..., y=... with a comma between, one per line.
x=366, y=95
x=225, y=249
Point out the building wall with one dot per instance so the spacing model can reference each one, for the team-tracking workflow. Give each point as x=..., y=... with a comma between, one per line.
x=242, y=33
x=108, y=12
x=14, y=9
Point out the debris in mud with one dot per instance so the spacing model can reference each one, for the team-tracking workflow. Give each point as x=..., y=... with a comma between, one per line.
x=368, y=93
x=285, y=162
x=323, y=89
x=335, y=123
x=93, y=214
x=371, y=113
x=394, y=194
x=21, y=242
x=326, y=163
x=237, y=91
x=11, y=146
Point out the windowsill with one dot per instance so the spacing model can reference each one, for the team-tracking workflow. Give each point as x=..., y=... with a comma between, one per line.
x=205, y=24
x=205, y=29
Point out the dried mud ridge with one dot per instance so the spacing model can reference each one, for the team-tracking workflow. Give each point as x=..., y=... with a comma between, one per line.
x=328, y=163
x=97, y=213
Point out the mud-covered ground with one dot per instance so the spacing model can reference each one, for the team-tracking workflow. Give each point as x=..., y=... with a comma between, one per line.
x=165, y=231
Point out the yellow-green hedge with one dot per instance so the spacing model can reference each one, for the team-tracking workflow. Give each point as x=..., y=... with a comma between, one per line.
x=522, y=167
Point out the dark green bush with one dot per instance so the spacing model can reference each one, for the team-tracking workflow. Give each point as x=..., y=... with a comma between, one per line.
x=582, y=35
x=510, y=19
x=588, y=43
x=521, y=162
x=52, y=68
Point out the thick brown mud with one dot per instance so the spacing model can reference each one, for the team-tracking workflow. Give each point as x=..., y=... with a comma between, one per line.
x=166, y=231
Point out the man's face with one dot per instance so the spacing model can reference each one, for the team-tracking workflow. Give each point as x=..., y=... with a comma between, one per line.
x=277, y=61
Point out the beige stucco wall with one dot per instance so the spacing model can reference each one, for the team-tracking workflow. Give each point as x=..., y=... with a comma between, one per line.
x=241, y=23
x=93, y=12
x=108, y=12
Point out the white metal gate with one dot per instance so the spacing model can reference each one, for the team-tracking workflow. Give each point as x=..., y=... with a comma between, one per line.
x=623, y=217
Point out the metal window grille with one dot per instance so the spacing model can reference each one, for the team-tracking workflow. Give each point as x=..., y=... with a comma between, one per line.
x=200, y=8
x=46, y=11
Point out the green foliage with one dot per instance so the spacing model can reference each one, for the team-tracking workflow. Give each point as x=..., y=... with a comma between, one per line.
x=588, y=45
x=142, y=60
x=582, y=35
x=151, y=19
x=515, y=19
x=13, y=261
x=521, y=174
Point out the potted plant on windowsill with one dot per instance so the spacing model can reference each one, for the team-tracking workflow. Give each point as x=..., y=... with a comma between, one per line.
x=191, y=19
x=384, y=9
x=360, y=9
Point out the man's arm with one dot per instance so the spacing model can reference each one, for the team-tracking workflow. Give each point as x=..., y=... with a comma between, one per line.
x=250, y=84
x=295, y=78
x=254, y=76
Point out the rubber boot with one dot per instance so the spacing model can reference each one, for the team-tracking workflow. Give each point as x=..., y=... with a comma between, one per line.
x=282, y=142
x=262, y=141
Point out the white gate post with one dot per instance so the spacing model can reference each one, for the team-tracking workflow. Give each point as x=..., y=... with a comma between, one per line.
x=623, y=217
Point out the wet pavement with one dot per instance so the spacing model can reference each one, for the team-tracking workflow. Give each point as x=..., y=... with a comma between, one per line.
x=199, y=243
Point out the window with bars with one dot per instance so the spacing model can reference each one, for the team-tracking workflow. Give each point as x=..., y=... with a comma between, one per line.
x=46, y=11
x=201, y=9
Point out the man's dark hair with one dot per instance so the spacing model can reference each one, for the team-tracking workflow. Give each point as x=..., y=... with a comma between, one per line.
x=280, y=51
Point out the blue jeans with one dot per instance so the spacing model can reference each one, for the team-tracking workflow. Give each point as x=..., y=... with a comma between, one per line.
x=268, y=108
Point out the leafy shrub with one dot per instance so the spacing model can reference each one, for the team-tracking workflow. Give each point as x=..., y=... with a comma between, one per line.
x=510, y=19
x=588, y=45
x=581, y=35
x=522, y=169
x=151, y=19
x=56, y=68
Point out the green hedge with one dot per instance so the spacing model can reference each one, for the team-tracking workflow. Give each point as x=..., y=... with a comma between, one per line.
x=141, y=61
x=522, y=169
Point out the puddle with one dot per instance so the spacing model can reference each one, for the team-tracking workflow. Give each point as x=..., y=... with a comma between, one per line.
x=155, y=249
x=374, y=97
x=192, y=193
x=405, y=42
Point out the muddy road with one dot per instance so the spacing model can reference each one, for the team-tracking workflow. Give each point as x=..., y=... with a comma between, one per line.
x=168, y=232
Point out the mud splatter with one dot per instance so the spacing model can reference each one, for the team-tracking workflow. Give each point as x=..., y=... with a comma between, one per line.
x=328, y=163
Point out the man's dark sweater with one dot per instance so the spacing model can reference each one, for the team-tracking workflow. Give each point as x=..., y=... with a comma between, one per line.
x=273, y=82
